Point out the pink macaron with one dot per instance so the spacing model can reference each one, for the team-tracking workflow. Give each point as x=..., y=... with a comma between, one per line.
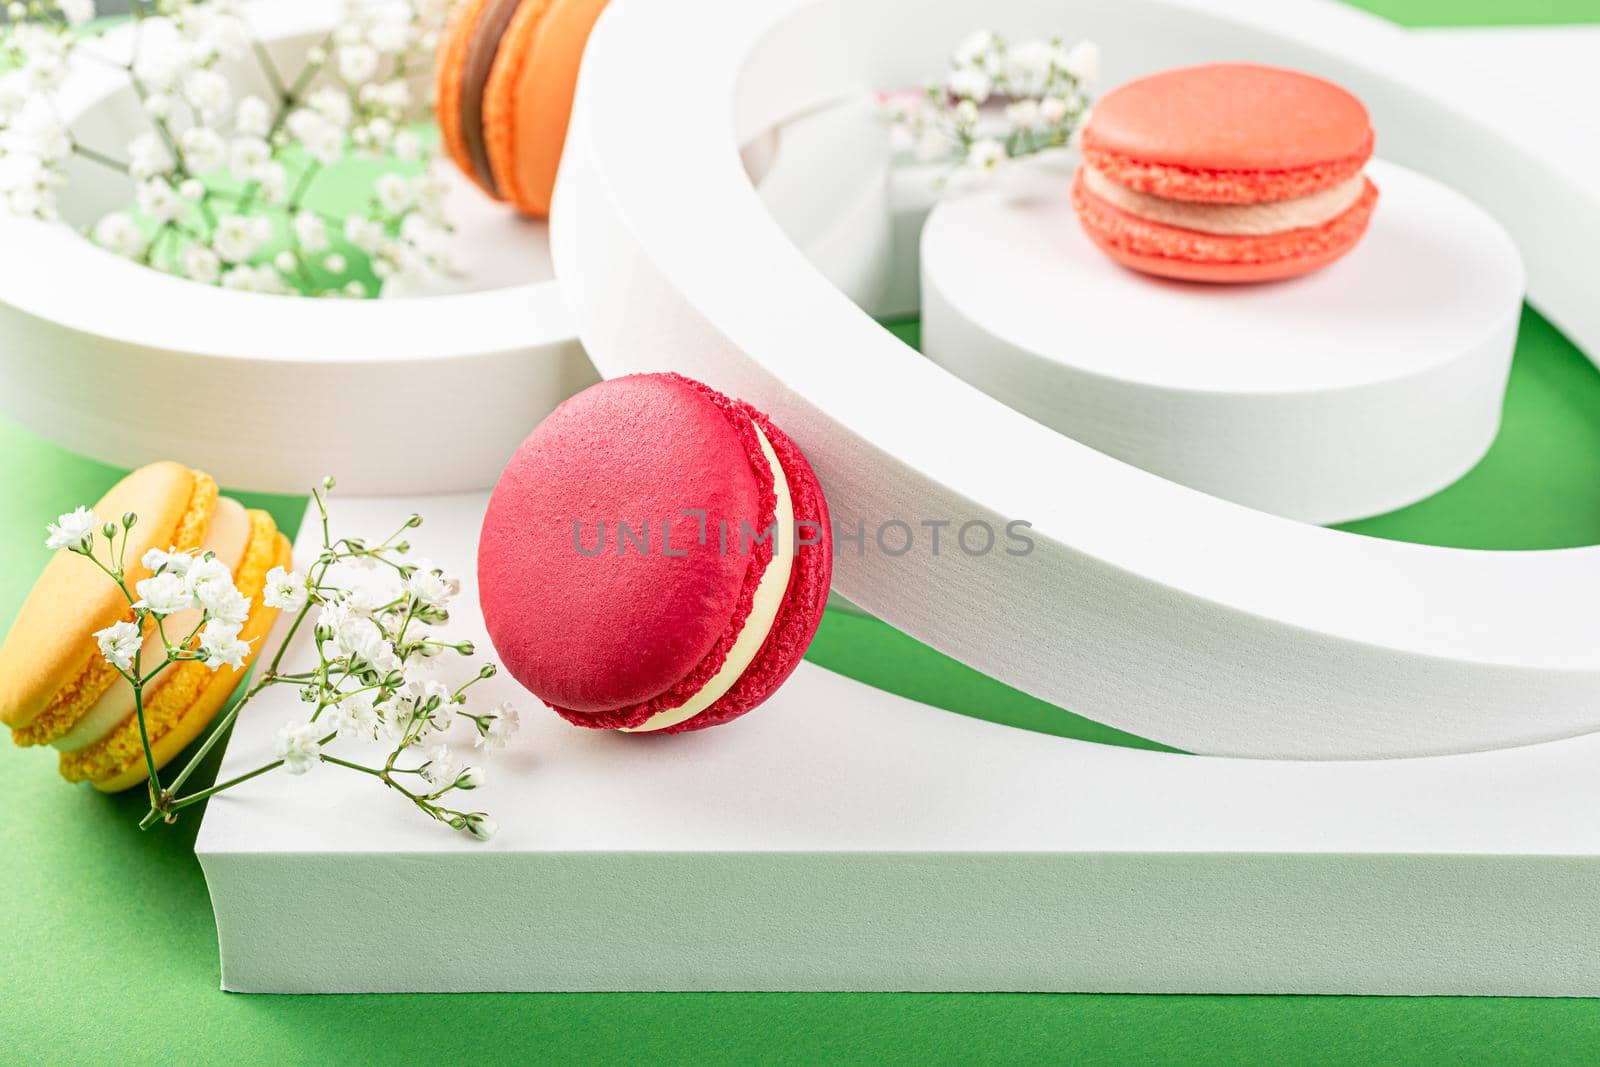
x=1228, y=172
x=655, y=557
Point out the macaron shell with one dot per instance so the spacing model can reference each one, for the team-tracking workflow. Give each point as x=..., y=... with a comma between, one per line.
x=804, y=601
x=51, y=646
x=528, y=100
x=601, y=636
x=1228, y=133
x=450, y=64
x=1169, y=252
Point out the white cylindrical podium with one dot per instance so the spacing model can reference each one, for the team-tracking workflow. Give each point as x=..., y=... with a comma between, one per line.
x=1351, y=391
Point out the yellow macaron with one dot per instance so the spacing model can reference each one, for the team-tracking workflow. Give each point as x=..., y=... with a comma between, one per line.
x=55, y=686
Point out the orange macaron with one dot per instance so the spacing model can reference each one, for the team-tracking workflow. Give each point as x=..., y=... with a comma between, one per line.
x=1229, y=172
x=506, y=73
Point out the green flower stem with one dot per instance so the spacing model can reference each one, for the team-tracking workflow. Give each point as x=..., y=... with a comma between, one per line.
x=99, y=157
x=152, y=817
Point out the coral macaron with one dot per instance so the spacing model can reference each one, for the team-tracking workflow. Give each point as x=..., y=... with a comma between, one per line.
x=655, y=557
x=57, y=689
x=505, y=77
x=1229, y=172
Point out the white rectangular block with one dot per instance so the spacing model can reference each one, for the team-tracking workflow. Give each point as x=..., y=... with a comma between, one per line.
x=844, y=838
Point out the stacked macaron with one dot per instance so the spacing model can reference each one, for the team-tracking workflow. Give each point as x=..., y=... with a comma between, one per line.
x=506, y=73
x=655, y=557
x=57, y=689
x=1229, y=172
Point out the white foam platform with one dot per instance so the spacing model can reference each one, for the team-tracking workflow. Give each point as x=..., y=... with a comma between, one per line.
x=1348, y=392
x=844, y=838
x=1147, y=605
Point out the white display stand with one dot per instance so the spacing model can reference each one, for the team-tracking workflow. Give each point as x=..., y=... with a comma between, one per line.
x=230, y=380
x=843, y=838
x=1349, y=392
x=1146, y=605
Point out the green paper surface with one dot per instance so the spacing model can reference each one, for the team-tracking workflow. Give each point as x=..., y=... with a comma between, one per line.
x=110, y=953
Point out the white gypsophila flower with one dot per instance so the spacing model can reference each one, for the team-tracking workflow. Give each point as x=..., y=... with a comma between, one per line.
x=15, y=92
x=299, y=746
x=366, y=234
x=209, y=93
x=43, y=53
x=332, y=105
x=481, y=826
x=74, y=530
x=407, y=146
x=355, y=716
x=147, y=156
x=357, y=62
x=77, y=12
x=970, y=83
x=25, y=186
x=35, y=129
x=1023, y=115
x=192, y=190
x=978, y=50
x=198, y=263
x=119, y=643
x=223, y=602
x=286, y=262
x=272, y=181
x=360, y=640
x=986, y=155
x=164, y=594
x=1053, y=110
x=238, y=237
x=246, y=157
x=220, y=645
x=1082, y=62
x=472, y=778
x=500, y=728
x=252, y=117
x=285, y=590
x=394, y=193
x=117, y=232
x=247, y=279
x=440, y=770
x=203, y=149
x=159, y=201
x=205, y=570
x=1027, y=68
x=430, y=589
x=158, y=562
x=335, y=264
x=158, y=106
x=310, y=231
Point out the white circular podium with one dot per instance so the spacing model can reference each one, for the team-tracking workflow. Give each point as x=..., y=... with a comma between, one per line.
x=1352, y=391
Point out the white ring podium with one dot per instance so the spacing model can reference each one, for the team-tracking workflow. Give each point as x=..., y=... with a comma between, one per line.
x=1148, y=606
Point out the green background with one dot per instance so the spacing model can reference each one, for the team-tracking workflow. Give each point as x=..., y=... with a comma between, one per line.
x=111, y=952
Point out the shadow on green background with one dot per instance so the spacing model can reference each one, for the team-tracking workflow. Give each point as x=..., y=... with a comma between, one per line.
x=110, y=955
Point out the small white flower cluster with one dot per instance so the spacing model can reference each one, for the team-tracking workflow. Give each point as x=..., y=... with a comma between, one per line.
x=997, y=102
x=375, y=680
x=222, y=178
x=376, y=642
x=178, y=582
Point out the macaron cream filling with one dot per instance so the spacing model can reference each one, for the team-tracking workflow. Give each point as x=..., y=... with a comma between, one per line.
x=227, y=537
x=764, y=607
x=1255, y=219
x=481, y=52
